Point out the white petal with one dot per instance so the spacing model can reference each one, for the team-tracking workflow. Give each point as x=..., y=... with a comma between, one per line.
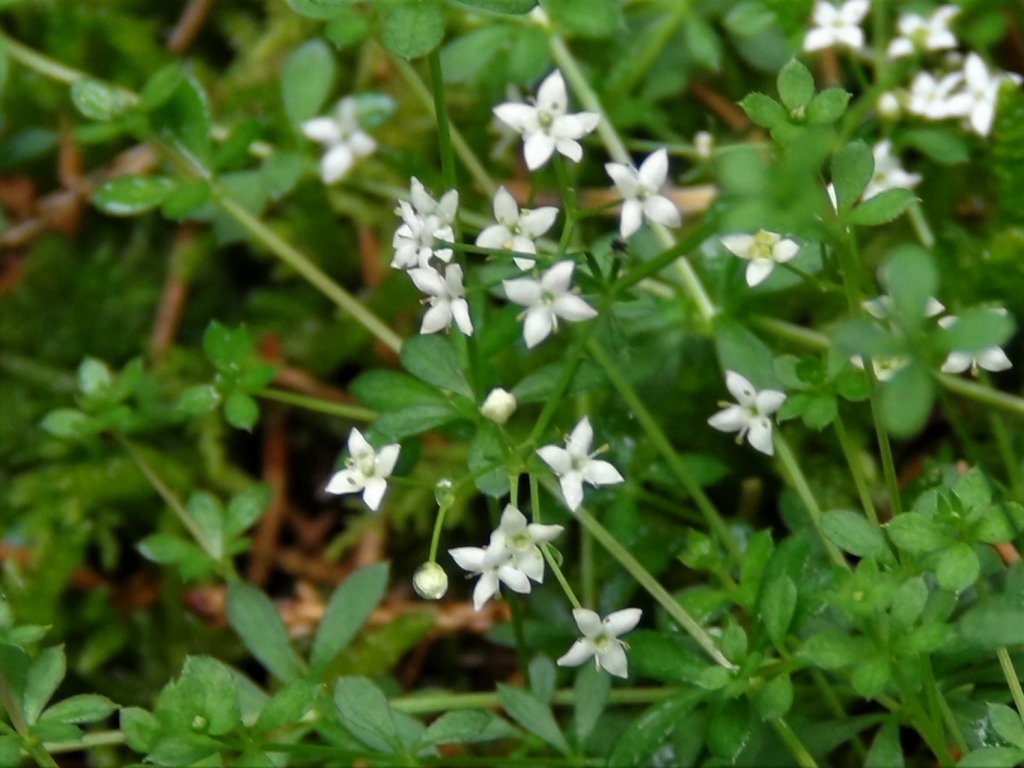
x=573, y=308
x=632, y=217
x=537, y=149
x=523, y=263
x=551, y=95
x=357, y=445
x=933, y=307
x=982, y=116
x=361, y=144
x=486, y=588
x=570, y=148
x=421, y=201
x=437, y=318
x=495, y=237
x=541, y=533
x=739, y=245
x=555, y=457
x=558, y=279
x=899, y=47
x=785, y=250
x=512, y=520
x=602, y=473
x=428, y=281
x=523, y=290
x=322, y=129
x=580, y=651
x=613, y=659
x=505, y=209
x=537, y=326
x=758, y=271
x=374, y=492
x=957, y=362
x=446, y=210
x=769, y=401
x=532, y=565
x=817, y=39
x=572, y=489
x=345, y=481
x=589, y=623
x=854, y=11
x=575, y=126
x=468, y=558
x=824, y=13
x=740, y=388
x=386, y=459
x=460, y=311
x=538, y=221
x=514, y=579
x=624, y=177
x=523, y=244
x=731, y=419
x=850, y=36
x=453, y=281
x=760, y=435
x=661, y=210
x=520, y=117
x=994, y=359
x=621, y=622
x=581, y=438
x=654, y=170
x=335, y=163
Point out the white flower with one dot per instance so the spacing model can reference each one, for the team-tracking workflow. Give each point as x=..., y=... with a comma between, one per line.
x=763, y=250
x=639, y=190
x=575, y=464
x=423, y=222
x=494, y=565
x=546, y=126
x=521, y=538
x=990, y=359
x=889, y=174
x=703, y=144
x=888, y=106
x=920, y=34
x=430, y=581
x=498, y=406
x=446, y=296
x=516, y=230
x=601, y=639
x=930, y=97
x=884, y=367
x=343, y=139
x=881, y=307
x=365, y=470
x=750, y=416
x=547, y=299
x=837, y=26
x=977, y=101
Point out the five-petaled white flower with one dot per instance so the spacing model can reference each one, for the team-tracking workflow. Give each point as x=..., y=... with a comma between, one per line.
x=750, y=417
x=601, y=640
x=423, y=222
x=516, y=229
x=918, y=33
x=547, y=300
x=446, y=296
x=520, y=540
x=575, y=464
x=494, y=566
x=889, y=174
x=930, y=96
x=640, y=189
x=342, y=138
x=365, y=470
x=763, y=250
x=976, y=102
x=990, y=359
x=837, y=26
x=545, y=124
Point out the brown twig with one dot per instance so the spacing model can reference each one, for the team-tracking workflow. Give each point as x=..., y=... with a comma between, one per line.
x=189, y=24
x=275, y=474
x=172, y=301
x=726, y=111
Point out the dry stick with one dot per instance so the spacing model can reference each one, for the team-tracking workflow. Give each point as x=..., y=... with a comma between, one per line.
x=275, y=474
x=189, y=24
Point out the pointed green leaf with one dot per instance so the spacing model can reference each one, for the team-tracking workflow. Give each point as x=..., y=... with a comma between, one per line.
x=253, y=616
x=881, y=208
x=796, y=86
x=533, y=715
x=413, y=29
x=852, y=167
x=306, y=79
x=348, y=609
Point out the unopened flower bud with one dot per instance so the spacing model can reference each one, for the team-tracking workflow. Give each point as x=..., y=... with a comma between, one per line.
x=704, y=143
x=499, y=406
x=430, y=581
x=888, y=106
x=540, y=18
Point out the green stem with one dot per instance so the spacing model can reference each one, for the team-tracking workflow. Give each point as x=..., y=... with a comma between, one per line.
x=564, y=379
x=856, y=471
x=587, y=569
x=443, y=128
x=343, y=410
x=546, y=548
x=40, y=63
x=803, y=489
x=88, y=741
x=12, y=707
x=1012, y=680
x=793, y=744
x=661, y=442
x=920, y=224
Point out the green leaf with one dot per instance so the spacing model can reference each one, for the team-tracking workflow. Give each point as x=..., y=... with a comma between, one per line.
x=591, y=696
x=161, y=86
x=865, y=338
x=907, y=400
x=167, y=549
x=10, y=750
x=286, y=707
x=199, y=400
x=703, y=43
x=796, y=86
x=979, y=329
x=413, y=29
x=306, y=79
x=942, y=146
x=1007, y=723
x=67, y=422
x=586, y=18
x=45, y=674
x=741, y=351
x=533, y=714
x=319, y=9
x=501, y=6
x=391, y=391
x=852, y=167
x=100, y=101
x=245, y=508
x=257, y=377
x=997, y=623
x=645, y=735
x=871, y=677
x=917, y=534
x=764, y=110
x=464, y=727
x=466, y=57
x=227, y=349
x=365, y=711
x=828, y=106
x=834, y=650
x=881, y=208
x=253, y=616
x=908, y=602
x=852, y=533
x=241, y=411
x=539, y=385
x=993, y=757
x=748, y=18
x=140, y=728
x=911, y=277
x=184, y=121
x=886, y=751
x=186, y=199
x=662, y=657
x=281, y=172
x=777, y=606
x=958, y=567
x=775, y=698
x=542, y=678
x=208, y=516
x=431, y=359
x=348, y=609
x=132, y=195
x=397, y=425
x=84, y=708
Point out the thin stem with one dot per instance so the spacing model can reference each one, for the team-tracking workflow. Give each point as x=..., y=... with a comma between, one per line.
x=342, y=410
x=947, y=714
x=546, y=548
x=12, y=707
x=441, y=114
x=587, y=569
x=803, y=490
x=856, y=471
x=793, y=744
x=920, y=224
x=661, y=442
x=1012, y=680
x=423, y=704
x=44, y=65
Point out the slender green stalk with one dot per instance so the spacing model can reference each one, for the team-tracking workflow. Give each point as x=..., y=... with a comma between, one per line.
x=587, y=569
x=920, y=224
x=1012, y=680
x=88, y=741
x=443, y=127
x=44, y=65
x=342, y=410
x=35, y=750
x=546, y=548
x=946, y=713
x=423, y=704
x=793, y=744
x=796, y=334
x=856, y=471
x=803, y=490
x=661, y=442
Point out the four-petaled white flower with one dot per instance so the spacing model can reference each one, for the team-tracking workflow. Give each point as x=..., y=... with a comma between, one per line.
x=920, y=34
x=750, y=416
x=520, y=539
x=423, y=222
x=640, y=189
x=546, y=126
x=837, y=26
x=990, y=359
x=547, y=300
x=516, y=229
x=881, y=307
x=889, y=174
x=365, y=470
x=342, y=138
x=446, y=296
x=601, y=640
x=494, y=566
x=763, y=250
x=976, y=103
x=575, y=464
x=930, y=96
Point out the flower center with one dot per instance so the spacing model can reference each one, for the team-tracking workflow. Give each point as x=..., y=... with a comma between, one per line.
x=602, y=643
x=520, y=541
x=545, y=120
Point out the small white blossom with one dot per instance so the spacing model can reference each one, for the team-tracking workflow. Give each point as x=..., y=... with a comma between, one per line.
x=545, y=125
x=498, y=406
x=446, y=296
x=365, y=470
x=494, y=566
x=341, y=137
x=750, y=416
x=640, y=189
x=430, y=581
x=989, y=359
x=547, y=300
x=837, y=26
x=888, y=106
x=763, y=250
x=703, y=144
x=601, y=640
x=884, y=367
x=881, y=307
x=889, y=174
x=930, y=97
x=976, y=103
x=516, y=229
x=423, y=222
x=521, y=538
x=920, y=34
x=575, y=464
